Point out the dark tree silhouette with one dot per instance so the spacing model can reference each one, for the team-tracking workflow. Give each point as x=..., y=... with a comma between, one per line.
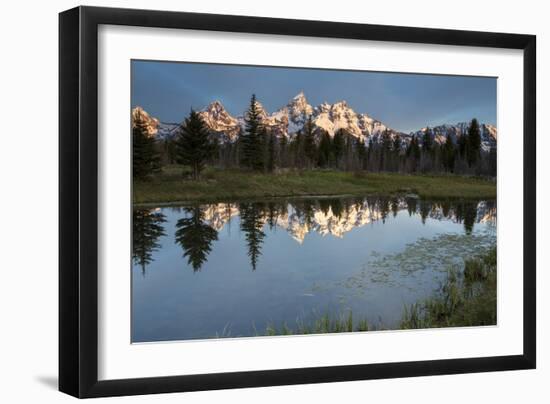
x=462, y=144
x=270, y=153
x=412, y=204
x=145, y=159
x=338, y=145
x=310, y=148
x=470, y=215
x=362, y=155
x=283, y=151
x=449, y=155
x=413, y=153
x=251, y=138
x=195, y=237
x=427, y=141
x=193, y=145
x=425, y=209
x=337, y=207
x=396, y=151
x=325, y=150
x=473, y=143
x=147, y=228
x=394, y=206
x=386, y=150
x=252, y=225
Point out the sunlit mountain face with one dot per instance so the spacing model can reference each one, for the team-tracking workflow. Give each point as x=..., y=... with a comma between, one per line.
x=326, y=118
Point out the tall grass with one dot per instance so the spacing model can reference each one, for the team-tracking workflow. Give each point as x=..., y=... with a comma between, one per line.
x=218, y=185
x=324, y=324
x=466, y=298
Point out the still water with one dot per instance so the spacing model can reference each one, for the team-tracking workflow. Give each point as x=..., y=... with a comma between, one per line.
x=233, y=269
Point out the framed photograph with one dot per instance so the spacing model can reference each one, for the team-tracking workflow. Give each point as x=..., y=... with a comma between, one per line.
x=251, y=201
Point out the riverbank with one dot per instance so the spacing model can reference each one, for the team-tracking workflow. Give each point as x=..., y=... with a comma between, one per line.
x=218, y=185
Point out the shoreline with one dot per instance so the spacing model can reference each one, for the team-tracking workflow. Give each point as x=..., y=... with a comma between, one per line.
x=162, y=204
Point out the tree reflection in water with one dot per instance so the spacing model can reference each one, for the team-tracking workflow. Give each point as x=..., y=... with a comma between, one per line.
x=252, y=223
x=196, y=232
x=195, y=237
x=147, y=229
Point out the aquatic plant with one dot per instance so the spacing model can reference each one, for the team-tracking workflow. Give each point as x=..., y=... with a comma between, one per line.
x=466, y=298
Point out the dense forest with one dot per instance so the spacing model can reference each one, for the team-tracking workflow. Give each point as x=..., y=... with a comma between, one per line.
x=258, y=149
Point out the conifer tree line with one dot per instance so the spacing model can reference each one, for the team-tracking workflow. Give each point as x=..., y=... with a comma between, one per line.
x=258, y=148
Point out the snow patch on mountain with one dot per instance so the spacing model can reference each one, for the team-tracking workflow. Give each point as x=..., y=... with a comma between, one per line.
x=330, y=118
x=139, y=115
x=441, y=132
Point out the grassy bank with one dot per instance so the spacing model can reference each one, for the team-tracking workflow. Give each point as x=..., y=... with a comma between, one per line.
x=467, y=298
x=216, y=184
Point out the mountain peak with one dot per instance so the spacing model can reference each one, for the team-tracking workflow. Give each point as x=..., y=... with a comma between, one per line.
x=299, y=106
x=340, y=104
x=139, y=114
x=300, y=96
x=219, y=120
x=326, y=117
x=215, y=107
x=216, y=103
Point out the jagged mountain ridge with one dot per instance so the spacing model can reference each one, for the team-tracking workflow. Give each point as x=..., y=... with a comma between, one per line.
x=441, y=132
x=335, y=224
x=291, y=118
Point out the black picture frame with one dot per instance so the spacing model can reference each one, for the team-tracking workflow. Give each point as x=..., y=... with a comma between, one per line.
x=78, y=201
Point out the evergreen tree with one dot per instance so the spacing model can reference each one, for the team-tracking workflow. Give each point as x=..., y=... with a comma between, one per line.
x=145, y=159
x=338, y=145
x=413, y=149
x=169, y=151
x=146, y=230
x=195, y=237
x=427, y=142
x=386, y=150
x=449, y=154
x=270, y=162
x=325, y=149
x=251, y=140
x=427, y=150
x=462, y=143
x=283, y=151
x=473, y=144
x=370, y=153
x=361, y=153
x=310, y=148
x=396, y=149
x=297, y=147
x=193, y=145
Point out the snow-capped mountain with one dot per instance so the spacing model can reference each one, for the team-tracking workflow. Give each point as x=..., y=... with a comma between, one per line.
x=152, y=124
x=218, y=120
x=294, y=114
x=291, y=118
x=440, y=133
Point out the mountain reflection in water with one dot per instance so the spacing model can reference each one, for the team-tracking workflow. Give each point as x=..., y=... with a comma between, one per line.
x=231, y=269
x=199, y=224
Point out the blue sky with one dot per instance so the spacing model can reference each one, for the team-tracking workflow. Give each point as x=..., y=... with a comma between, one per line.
x=406, y=102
